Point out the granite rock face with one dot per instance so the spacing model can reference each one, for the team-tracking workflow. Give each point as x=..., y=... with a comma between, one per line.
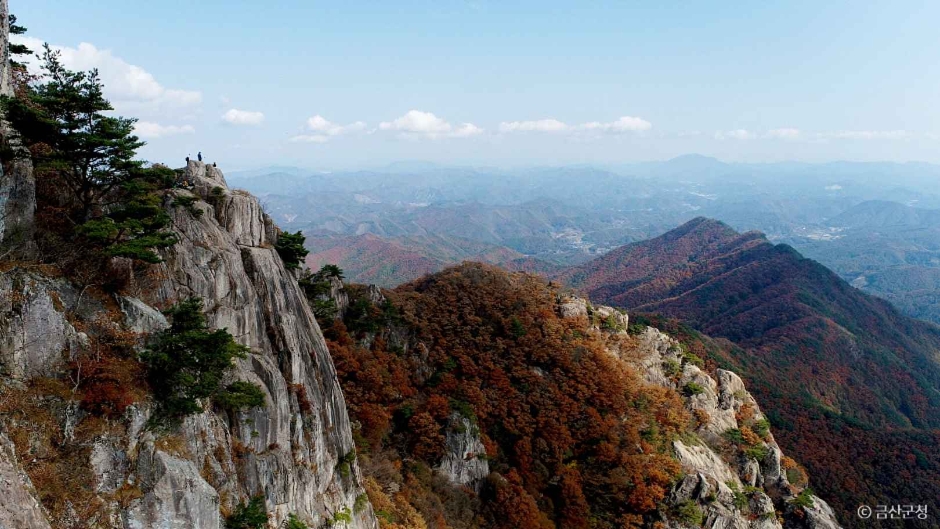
x=731, y=488
x=17, y=184
x=35, y=334
x=18, y=507
x=289, y=452
x=760, y=494
x=464, y=461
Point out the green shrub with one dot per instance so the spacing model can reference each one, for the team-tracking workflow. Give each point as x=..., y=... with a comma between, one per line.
x=330, y=271
x=344, y=465
x=290, y=246
x=689, y=513
x=804, y=499
x=611, y=324
x=361, y=317
x=217, y=193
x=516, y=328
x=317, y=288
x=758, y=452
x=464, y=408
x=294, y=523
x=240, y=395
x=362, y=501
x=250, y=516
x=341, y=517
x=136, y=224
x=671, y=368
x=188, y=202
x=740, y=499
x=734, y=436
x=636, y=328
x=762, y=428
x=693, y=359
x=188, y=361
x=692, y=389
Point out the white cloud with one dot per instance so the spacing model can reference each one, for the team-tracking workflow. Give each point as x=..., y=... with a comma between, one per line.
x=323, y=130
x=737, y=134
x=624, y=124
x=466, y=130
x=148, y=129
x=784, y=134
x=243, y=117
x=126, y=85
x=541, y=125
x=416, y=123
x=866, y=135
x=310, y=138
x=320, y=124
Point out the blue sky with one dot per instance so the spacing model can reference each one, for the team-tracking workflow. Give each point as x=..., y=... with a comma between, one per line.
x=358, y=84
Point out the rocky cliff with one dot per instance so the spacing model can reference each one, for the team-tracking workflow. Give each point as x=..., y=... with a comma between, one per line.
x=296, y=452
x=17, y=186
x=732, y=487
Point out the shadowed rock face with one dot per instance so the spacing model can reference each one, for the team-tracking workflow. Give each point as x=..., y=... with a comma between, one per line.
x=282, y=451
x=17, y=184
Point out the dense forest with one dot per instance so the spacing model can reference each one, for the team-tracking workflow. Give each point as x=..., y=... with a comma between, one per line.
x=573, y=436
x=560, y=420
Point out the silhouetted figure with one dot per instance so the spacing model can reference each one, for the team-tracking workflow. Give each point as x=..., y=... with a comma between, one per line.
x=187, y=160
x=199, y=156
x=214, y=165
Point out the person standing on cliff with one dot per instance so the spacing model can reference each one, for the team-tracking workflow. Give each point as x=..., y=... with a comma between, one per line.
x=199, y=156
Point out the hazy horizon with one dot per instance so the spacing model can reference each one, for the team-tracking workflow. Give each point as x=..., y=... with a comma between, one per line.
x=419, y=165
x=481, y=83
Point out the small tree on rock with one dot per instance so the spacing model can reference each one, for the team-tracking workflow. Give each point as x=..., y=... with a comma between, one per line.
x=188, y=361
x=290, y=246
x=91, y=152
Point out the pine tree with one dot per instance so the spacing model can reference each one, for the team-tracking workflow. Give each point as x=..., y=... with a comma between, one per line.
x=17, y=49
x=92, y=153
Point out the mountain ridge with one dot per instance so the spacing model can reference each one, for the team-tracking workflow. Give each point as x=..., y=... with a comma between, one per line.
x=792, y=321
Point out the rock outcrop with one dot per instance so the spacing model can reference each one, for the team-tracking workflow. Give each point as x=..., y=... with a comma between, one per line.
x=18, y=507
x=5, y=88
x=464, y=461
x=296, y=452
x=729, y=486
x=17, y=184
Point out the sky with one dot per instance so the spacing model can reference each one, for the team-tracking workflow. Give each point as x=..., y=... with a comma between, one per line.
x=341, y=85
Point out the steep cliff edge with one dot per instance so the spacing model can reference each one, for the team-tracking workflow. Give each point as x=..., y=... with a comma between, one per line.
x=734, y=471
x=296, y=452
x=17, y=185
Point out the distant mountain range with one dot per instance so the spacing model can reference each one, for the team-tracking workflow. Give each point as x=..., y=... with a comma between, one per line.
x=875, y=224
x=390, y=262
x=885, y=248
x=854, y=384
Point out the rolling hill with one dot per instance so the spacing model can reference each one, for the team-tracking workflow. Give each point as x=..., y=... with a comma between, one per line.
x=371, y=259
x=847, y=374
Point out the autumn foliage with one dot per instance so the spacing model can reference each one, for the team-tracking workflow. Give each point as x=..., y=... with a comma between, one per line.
x=848, y=383
x=575, y=439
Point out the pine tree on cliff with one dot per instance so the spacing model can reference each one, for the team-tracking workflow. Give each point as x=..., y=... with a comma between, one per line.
x=92, y=153
x=113, y=202
x=17, y=49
